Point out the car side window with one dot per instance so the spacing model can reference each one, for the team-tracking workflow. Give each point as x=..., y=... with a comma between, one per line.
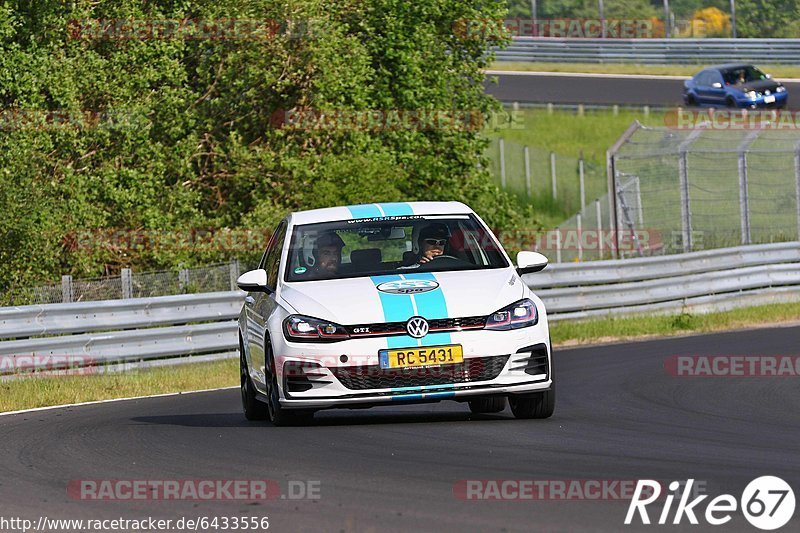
x=273, y=255
x=714, y=77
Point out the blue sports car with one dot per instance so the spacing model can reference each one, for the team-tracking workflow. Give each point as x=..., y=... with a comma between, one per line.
x=734, y=85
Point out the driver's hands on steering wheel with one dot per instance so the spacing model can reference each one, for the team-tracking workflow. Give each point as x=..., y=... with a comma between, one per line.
x=429, y=255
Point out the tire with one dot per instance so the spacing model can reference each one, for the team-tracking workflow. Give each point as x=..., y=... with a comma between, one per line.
x=488, y=404
x=252, y=407
x=278, y=415
x=730, y=103
x=537, y=405
x=690, y=101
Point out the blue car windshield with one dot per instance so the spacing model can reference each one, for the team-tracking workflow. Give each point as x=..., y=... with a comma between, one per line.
x=391, y=245
x=741, y=75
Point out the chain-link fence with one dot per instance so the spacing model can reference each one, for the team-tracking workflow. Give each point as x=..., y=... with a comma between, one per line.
x=131, y=284
x=539, y=176
x=709, y=186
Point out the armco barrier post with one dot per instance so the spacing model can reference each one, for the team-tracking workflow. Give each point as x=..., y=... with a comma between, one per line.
x=797, y=184
x=66, y=289
x=599, y=229
x=744, y=200
x=501, y=145
x=183, y=279
x=683, y=178
x=553, y=174
x=127, y=283
x=581, y=181
x=527, y=153
x=234, y=273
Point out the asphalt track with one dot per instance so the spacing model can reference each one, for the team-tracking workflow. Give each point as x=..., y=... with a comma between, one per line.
x=619, y=416
x=598, y=89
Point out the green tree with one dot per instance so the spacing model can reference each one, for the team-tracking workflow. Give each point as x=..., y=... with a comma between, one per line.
x=768, y=18
x=171, y=134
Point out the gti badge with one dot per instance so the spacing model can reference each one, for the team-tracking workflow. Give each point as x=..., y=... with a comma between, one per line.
x=417, y=327
x=408, y=286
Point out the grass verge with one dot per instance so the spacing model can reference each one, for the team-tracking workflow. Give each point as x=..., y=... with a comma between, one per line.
x=31, y=392
x=637, y=327
x=44, y=391
x=778, y=71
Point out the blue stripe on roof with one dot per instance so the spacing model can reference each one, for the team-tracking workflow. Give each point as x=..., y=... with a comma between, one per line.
x=364, y=211
x=397, y=209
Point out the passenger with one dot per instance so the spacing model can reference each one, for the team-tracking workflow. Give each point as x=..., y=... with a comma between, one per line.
x=327, y=254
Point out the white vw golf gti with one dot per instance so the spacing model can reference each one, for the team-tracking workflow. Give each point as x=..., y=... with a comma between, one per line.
x=391, y=303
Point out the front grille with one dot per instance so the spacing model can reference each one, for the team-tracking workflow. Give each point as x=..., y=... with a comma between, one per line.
x=382, y=329
x=375, y=377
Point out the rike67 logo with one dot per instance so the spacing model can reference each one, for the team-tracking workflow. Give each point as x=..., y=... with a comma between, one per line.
x=767, y=503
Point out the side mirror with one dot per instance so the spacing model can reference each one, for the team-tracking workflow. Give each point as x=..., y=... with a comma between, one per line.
x=769, y=76
x=254, y=281
x=716, y=85
x=528, y=262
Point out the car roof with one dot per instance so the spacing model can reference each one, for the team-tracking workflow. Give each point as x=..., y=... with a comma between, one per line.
x=727, y=66
x=378, y=210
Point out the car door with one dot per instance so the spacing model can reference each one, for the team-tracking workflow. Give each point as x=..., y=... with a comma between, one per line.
x=260, y=305
x=716, y=88
x=703, y=88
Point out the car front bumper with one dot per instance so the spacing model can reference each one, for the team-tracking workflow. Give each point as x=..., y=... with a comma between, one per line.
x=323, y=369
x=762, y=101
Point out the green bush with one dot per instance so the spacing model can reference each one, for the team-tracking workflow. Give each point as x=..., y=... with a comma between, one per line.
x=179, y=134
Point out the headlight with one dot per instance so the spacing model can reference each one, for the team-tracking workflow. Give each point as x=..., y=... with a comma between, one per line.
x=780, y=89
x=751, y=95
x=517, y=315
x=300, y=328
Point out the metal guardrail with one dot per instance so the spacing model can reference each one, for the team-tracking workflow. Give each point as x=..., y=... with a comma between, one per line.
x=697, y=281
x=162, y=330
x=118, y=332
x=59, y=319
x=652, y=51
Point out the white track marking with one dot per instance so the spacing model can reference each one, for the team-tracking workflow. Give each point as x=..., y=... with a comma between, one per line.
x=111, y=400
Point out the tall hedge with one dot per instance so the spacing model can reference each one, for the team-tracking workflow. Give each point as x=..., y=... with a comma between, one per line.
x=101, y=134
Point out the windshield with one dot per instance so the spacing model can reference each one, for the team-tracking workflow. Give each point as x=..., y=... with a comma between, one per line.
x=369, y=247
x=745, y=74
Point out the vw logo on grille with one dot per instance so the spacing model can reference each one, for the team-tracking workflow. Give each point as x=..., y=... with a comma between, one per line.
x=417, y=327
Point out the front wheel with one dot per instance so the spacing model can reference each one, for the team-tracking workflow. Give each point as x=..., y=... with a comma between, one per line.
x=253, y=409
x=278, y=415
x=539, y=405
x=489, y=404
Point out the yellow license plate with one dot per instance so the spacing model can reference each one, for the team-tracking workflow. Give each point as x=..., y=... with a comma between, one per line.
x=422, y=356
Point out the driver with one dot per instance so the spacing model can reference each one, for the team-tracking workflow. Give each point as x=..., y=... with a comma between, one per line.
x=327, y=254
x=433, y=241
